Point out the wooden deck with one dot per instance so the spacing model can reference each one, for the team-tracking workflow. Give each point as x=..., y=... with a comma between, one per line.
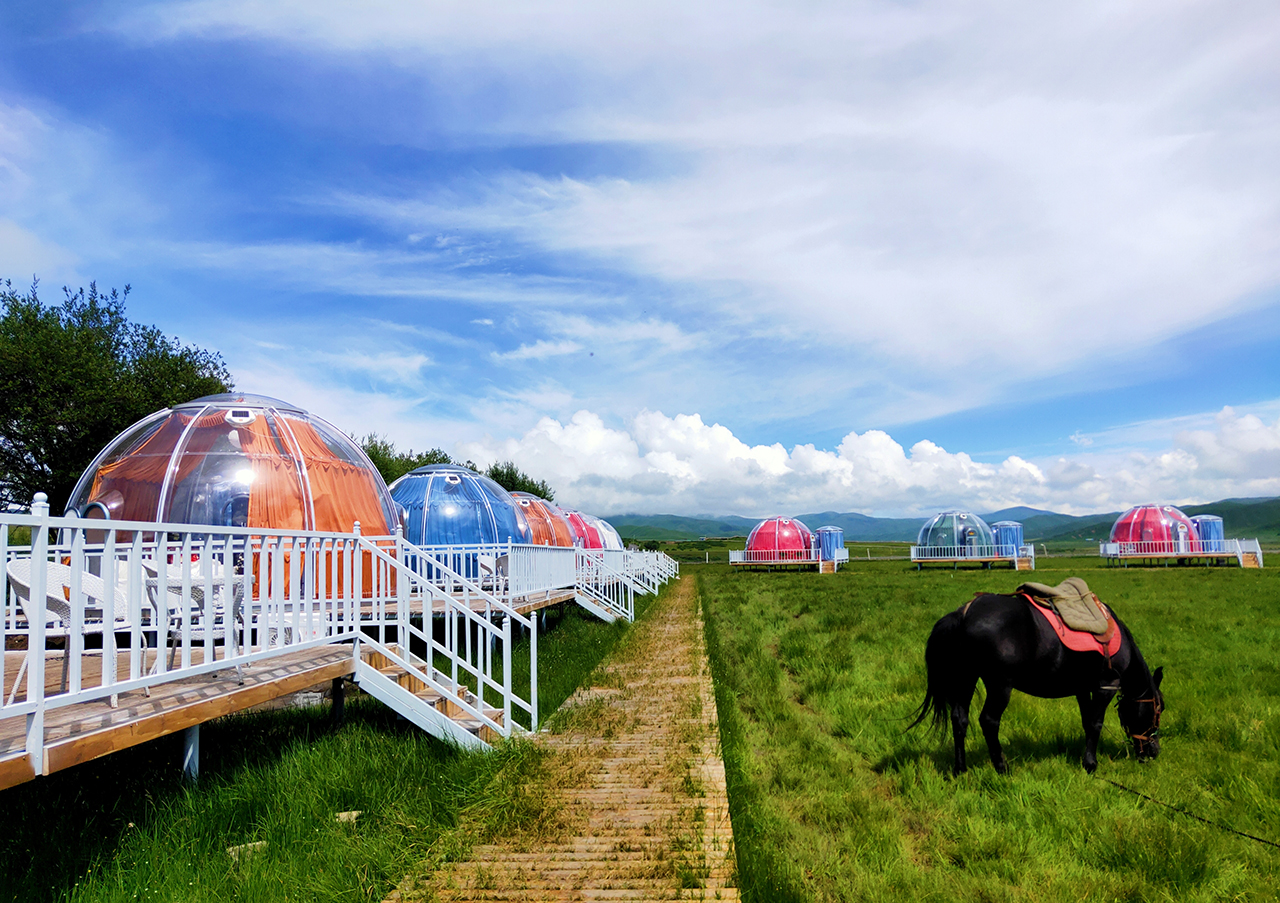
x=79, y=733
x=84, y=731
x=1017, y=564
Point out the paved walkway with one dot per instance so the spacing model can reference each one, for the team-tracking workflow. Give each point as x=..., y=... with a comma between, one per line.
x=645, y=806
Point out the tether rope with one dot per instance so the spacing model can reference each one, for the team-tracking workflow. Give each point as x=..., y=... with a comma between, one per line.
x=1270, y=843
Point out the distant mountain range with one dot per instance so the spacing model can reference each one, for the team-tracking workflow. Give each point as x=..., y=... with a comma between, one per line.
x=1243, y=518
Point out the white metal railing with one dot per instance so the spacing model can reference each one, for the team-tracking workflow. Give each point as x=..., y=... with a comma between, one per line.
x=953, y=553
x=1181, y=548
x=540, y=569
x=149, y=603
x=772, y=556
x=842, y=555
x=139, y=604
x=602, y=584
x=476, y=632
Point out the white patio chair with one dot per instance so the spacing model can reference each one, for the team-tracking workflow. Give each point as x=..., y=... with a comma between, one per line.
x=175, y=607
x=57, y=608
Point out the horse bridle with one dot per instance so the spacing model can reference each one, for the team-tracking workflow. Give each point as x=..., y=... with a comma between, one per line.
x=1151, y=733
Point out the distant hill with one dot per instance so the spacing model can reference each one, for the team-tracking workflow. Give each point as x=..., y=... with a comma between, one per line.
x=672, y=526
x=862, y=528
x=1243, y=518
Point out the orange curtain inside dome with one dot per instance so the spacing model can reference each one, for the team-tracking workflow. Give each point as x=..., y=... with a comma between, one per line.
x=341, y=491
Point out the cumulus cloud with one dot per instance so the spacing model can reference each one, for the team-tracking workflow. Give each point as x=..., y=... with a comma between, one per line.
x=682, y=465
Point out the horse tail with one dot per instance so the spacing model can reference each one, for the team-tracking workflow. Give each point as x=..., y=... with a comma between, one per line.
x=941, y=661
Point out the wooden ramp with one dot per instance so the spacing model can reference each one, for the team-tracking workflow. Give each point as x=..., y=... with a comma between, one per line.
x=78, y=733
x=645, y=806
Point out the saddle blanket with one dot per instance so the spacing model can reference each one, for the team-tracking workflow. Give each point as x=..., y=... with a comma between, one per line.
x=1080, y=640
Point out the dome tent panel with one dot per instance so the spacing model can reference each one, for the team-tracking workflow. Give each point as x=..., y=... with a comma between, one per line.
x=547, y=526
x=237, y=460
x=960, y=530
x=452, y=505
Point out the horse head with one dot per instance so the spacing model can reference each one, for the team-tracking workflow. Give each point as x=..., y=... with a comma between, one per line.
x=1140, y=717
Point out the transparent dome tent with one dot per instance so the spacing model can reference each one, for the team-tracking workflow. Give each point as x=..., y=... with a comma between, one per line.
x=450, y=505
x=587, y=536
x=547, y=526
x=955, y=529
x=609, y=537
x=237, y=460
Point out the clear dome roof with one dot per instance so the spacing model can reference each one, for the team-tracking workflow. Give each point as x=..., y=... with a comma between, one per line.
x=547, y=526
x=955, y=528
x=609, y=537
x=452, y=505
x=1152, y=523
x=586, y=535
x=237, y=460
x=779, y=534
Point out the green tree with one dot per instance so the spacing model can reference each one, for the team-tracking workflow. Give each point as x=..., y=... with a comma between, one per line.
x=74, y=375
x=513, y=479
x=393, y=463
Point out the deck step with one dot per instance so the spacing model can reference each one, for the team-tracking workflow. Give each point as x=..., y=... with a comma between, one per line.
x=1249, y=560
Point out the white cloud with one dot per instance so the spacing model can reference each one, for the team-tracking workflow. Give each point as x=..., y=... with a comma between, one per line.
x=682, y=465
x=539, y=350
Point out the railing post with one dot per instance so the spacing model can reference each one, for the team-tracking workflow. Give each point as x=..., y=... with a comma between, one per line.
x=533, y=673
x=35, y=633
x=402, y=598
x=506, y=677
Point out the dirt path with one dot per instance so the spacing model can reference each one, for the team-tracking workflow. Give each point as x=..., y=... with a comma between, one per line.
x=644, y=811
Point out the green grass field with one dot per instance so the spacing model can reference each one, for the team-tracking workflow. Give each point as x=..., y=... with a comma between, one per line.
x=817, y=677
x=123, y=828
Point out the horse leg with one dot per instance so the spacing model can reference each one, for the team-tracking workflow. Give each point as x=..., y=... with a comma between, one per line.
x=960, y=721
x=1093, y=711
x=989, y=720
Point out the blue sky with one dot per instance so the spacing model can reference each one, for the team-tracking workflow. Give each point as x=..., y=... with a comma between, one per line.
x=735, y=258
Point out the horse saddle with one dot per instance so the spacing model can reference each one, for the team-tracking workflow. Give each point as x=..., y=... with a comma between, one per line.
x=1071, y=600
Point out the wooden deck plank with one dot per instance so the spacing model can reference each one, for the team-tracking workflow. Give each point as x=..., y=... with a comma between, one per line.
x=15, y=769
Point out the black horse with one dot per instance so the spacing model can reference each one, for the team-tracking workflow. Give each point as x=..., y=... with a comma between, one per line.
x=1010, y=647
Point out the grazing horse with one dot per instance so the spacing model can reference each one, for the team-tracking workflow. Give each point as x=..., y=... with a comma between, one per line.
x=1001, y=640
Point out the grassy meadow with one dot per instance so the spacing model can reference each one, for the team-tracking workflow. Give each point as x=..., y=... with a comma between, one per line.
x=124, y=827
x=817, y=677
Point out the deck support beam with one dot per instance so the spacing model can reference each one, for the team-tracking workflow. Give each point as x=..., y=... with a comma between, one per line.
x=191, y=754
x=339, y=695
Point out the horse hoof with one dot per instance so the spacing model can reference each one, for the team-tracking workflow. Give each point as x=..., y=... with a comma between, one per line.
x=1090, y=767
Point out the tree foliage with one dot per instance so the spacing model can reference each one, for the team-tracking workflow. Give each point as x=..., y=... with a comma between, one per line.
x=513, y=479
x=393, y=463
x=73, y=375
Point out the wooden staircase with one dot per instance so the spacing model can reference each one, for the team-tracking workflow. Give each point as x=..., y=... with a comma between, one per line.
x=432, y=697
x=1249, y=560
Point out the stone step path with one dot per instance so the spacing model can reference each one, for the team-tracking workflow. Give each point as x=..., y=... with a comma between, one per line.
x=645, y=805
